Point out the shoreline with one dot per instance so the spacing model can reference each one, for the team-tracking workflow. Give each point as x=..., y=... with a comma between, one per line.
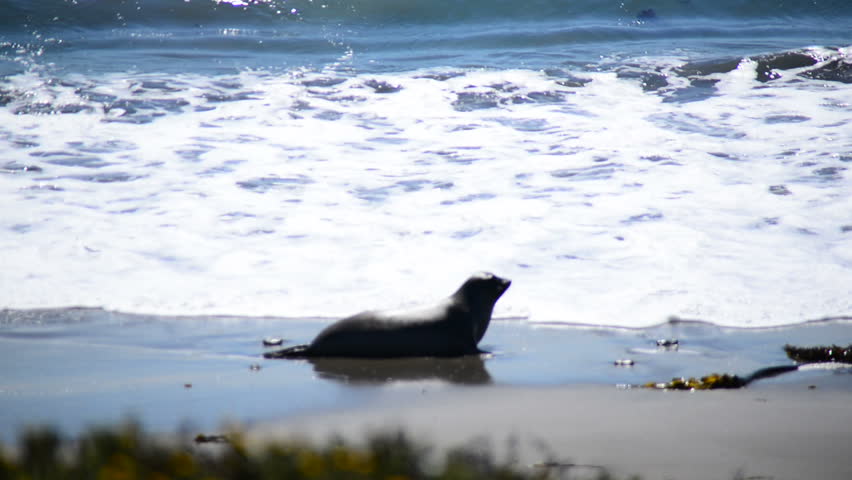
x=549, y=388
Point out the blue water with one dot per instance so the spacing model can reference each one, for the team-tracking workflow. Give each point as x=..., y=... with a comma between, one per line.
x=211, y=36
x=620, y=161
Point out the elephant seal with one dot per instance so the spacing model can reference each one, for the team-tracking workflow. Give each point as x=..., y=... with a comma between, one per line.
x=451, y=328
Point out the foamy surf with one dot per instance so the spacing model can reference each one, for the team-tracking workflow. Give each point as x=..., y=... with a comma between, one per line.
x=606, y=204
x=245, y=161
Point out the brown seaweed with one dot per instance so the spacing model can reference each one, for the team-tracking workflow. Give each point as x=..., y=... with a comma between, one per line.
x=716, y=381
x=819, y=354
x=708, y=382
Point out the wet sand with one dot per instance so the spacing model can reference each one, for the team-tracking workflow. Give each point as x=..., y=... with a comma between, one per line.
x=773, y=431
x=551, y=388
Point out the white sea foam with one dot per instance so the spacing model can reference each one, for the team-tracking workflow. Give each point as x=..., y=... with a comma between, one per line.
x=314, y=194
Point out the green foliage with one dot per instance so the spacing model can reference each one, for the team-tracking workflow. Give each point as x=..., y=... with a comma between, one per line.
x=128, y=453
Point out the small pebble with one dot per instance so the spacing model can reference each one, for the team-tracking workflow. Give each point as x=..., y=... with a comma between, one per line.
x=625, y=362
x=187, y=385
x=272, y=341
x=201, y=438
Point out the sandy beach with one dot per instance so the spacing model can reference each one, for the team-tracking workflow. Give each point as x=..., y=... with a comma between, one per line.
x=769, y=432
x=554, y=393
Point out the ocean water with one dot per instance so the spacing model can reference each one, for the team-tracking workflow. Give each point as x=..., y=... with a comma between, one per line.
x=621, y=161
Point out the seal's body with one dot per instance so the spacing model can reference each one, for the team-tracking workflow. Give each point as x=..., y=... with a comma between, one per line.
x=451, y=328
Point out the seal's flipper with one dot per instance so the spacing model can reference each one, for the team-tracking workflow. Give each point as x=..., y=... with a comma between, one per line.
x=299, y=351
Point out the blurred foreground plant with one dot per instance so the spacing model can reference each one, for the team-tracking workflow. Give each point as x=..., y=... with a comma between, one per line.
x=127, y=453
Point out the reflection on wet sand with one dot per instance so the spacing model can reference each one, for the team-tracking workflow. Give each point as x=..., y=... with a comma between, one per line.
x=468, y=370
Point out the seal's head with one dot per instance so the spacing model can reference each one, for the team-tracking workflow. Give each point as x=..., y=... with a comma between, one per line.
x=479, y=294
x=485, y=285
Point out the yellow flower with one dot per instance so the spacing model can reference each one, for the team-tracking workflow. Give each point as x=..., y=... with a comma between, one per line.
x=310, y=464
x=351, y=461
x=182, y=464
x=120, y=467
